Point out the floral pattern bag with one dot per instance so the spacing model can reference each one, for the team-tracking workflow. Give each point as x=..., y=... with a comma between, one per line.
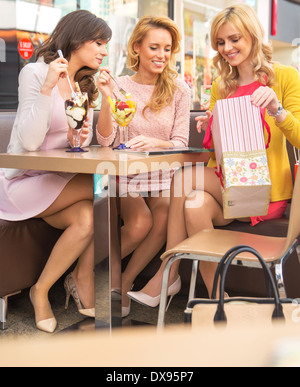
x=237, y=129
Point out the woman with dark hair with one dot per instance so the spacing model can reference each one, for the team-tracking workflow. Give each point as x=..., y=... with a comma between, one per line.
x=63, y=200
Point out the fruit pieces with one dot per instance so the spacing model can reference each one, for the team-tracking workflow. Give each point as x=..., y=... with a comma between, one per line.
x=123, y=112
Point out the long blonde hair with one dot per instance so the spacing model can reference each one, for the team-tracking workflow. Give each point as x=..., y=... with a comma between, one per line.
x=245, y=19
x=165, y=85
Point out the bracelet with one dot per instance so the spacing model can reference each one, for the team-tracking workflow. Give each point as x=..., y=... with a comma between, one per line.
x=279, y=111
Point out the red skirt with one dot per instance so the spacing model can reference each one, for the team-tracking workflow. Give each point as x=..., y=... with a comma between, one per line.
x=276, y=211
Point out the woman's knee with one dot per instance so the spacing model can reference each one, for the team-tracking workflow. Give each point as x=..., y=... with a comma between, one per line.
x=138, y=226
x=203, y=211
x=198, y=206
x=185, y=180
x=84, y=217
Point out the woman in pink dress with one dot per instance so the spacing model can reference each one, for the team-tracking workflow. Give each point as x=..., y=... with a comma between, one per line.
x=161, y=120
x=65, y=201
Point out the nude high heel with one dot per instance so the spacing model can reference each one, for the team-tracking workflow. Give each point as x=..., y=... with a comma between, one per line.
x=48, y=325
x=126, y=309
x=71, y=290
x=153, y=302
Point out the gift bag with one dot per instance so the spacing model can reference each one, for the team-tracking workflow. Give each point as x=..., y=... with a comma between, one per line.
x=237, y=129
x=205, y=97
x=205, y=313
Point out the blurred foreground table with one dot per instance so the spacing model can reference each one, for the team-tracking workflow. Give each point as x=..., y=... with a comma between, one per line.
x=177, y=346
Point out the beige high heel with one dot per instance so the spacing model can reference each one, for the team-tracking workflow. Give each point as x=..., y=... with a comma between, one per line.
x=71, y=290
x=48, y=325
x=153, y=302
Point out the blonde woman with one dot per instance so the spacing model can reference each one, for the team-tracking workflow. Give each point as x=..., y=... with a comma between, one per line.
x=245, y=66
x=162, y=120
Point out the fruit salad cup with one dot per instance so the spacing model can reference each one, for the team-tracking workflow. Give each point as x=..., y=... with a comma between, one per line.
x=123, y=112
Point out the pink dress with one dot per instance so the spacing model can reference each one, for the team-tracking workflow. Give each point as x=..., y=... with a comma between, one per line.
x=26, y=196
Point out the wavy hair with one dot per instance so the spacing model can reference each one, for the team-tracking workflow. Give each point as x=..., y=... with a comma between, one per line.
x=165, y=84
x=71, y=32
x=246, y=21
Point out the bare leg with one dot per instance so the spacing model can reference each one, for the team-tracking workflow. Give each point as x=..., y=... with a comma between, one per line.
x=177, y=230
x=207, y=216
x=137, y=219
x=150, y=246
x=72, y=212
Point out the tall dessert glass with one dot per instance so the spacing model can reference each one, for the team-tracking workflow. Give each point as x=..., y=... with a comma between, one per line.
x=76, y=107
x=123, y=112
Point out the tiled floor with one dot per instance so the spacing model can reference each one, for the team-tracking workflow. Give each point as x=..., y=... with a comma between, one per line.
x=20, y=321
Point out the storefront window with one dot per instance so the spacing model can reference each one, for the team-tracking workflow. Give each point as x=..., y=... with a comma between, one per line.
x=197, y=56
x=8, y=55
x=25, y=24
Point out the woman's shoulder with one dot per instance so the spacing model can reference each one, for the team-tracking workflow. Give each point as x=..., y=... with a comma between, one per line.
x=284, y=71
x=182, y=88
x=181, y=84
x=37, y=68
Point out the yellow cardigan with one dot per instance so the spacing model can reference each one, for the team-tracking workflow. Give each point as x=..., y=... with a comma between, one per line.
x=287, y=89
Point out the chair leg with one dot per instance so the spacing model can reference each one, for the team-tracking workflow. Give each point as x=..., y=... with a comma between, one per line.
x=280, y=280
x=164, y=292
x=3, y=313
x=194, y=274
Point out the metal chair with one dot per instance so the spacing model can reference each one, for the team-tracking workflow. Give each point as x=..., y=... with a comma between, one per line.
x=211, y=245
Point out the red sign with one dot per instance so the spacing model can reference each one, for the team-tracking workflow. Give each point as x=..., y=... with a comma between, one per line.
x=25, y=48
x=274, y=18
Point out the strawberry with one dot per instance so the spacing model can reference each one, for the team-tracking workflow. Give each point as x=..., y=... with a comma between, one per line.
x=122, y=105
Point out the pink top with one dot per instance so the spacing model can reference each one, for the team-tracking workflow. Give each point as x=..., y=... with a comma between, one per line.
x=171, y=124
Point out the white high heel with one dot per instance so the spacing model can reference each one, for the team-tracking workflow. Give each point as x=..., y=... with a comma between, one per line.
x=126, y=310
x=153, y=302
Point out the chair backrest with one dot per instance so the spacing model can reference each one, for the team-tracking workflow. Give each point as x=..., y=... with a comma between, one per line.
x=294, y=220
x=291, y=154
x=195, y=139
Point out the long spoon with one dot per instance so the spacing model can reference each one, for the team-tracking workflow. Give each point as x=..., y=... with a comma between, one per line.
x=68, y=78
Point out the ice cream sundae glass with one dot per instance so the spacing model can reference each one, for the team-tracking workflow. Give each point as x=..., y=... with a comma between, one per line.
x=76, y=107
x=123, y=112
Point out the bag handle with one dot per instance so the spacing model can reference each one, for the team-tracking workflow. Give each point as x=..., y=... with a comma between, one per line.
x=266, y=125
x=221, y=267
x=208, y=135
x=222, y=272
